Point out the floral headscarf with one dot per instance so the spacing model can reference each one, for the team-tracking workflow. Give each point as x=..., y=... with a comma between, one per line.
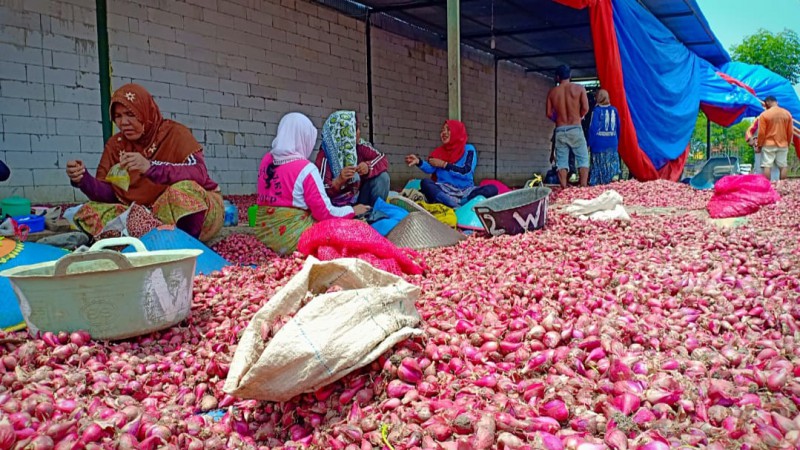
x=339, y=142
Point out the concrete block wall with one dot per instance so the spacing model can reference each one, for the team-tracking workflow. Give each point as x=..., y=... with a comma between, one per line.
x=229, y=69
x=410, y=105
x=523, y=131
x=49, y=95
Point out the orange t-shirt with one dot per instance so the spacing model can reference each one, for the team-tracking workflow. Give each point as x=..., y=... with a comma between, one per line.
x=775, y=128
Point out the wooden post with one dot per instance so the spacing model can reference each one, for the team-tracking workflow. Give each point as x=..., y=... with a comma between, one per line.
x=105, y=67
x=454, y=58
x=708, y=138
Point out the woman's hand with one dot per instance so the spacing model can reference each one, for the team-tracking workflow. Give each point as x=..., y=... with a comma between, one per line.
x=134, y=162
x=361, y=209
x=436, y=162
x=345, y=175
x=412, y=160
x=362, y=169
x=75, y=170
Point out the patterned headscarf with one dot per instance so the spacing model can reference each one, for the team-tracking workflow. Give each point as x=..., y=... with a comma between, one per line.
x=339, y=142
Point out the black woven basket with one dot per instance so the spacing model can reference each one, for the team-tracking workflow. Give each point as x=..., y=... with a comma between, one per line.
x=514, y=212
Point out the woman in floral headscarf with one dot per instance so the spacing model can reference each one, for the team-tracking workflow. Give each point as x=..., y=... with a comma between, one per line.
x=153, y=162
x=352, y=170
x=452, y=166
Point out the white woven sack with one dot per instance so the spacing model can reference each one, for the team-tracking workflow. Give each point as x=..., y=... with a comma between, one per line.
x=331, y=336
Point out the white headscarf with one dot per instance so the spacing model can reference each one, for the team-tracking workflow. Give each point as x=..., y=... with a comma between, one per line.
x=295, y=139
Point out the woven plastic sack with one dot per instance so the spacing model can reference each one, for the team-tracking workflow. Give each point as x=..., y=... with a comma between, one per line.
x=344, y=238
x=331, y=336
x=740, y=195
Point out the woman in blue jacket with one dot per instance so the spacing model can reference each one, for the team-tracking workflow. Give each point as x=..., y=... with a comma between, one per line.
x=603, y=141
x=452, y=167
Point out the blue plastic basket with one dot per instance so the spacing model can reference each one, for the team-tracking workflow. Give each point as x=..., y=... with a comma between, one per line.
x=35, y=223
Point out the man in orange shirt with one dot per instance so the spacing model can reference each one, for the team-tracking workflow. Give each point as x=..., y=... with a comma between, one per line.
x=774, y=136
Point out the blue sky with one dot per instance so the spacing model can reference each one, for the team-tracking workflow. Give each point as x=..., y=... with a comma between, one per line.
x=733, y=20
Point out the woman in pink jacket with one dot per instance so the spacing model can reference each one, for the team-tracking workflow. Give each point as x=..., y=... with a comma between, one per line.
x=291, y=196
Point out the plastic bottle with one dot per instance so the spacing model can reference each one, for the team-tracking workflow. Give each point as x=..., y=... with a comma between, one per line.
x=231, y=214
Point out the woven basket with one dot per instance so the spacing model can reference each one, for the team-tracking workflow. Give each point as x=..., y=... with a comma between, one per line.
x=420, y=230
x=514, y=212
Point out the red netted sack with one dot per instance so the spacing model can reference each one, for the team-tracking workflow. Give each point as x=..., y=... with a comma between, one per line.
x=740, y=195
x=344, y=238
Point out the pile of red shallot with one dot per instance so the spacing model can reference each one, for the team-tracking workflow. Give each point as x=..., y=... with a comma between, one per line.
x=662, y=332
x=655, y=194
x=244, y=250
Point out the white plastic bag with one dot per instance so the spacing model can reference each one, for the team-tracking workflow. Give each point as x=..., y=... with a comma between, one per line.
x=331, y=336
x=618, y=213
x=69, y=215
x=607, y=206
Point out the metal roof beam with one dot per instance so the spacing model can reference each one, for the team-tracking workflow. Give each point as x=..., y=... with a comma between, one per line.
x=545, y=55
x=406, y=6
x=553, y=69
x=412, y=5
x=499, y=33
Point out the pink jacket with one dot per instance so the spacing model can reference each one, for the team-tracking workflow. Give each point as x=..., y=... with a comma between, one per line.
x=297, y=184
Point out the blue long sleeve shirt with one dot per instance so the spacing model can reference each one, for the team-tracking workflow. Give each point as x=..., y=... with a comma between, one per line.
x=604, y=129
x=459, y=174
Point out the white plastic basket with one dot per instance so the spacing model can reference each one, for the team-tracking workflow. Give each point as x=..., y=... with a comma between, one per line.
x=108, y=294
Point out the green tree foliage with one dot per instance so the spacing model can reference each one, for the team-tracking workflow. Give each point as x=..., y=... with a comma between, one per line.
x=728, y=141
x=779, y=52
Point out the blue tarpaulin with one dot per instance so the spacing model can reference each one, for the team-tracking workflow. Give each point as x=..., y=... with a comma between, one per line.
x=661, y=82
x=658, y=84
x=765, y=83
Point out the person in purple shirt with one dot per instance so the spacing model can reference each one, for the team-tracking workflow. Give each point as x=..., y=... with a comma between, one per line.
x=153, y=162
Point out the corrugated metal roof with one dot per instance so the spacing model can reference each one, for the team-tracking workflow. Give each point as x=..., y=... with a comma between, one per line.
x=540, y=35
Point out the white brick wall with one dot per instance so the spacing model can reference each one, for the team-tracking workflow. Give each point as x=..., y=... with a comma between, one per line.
x=49, y=95
x=523, y=132
x=238, y=70
x=410, y=105
x=229, y=72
